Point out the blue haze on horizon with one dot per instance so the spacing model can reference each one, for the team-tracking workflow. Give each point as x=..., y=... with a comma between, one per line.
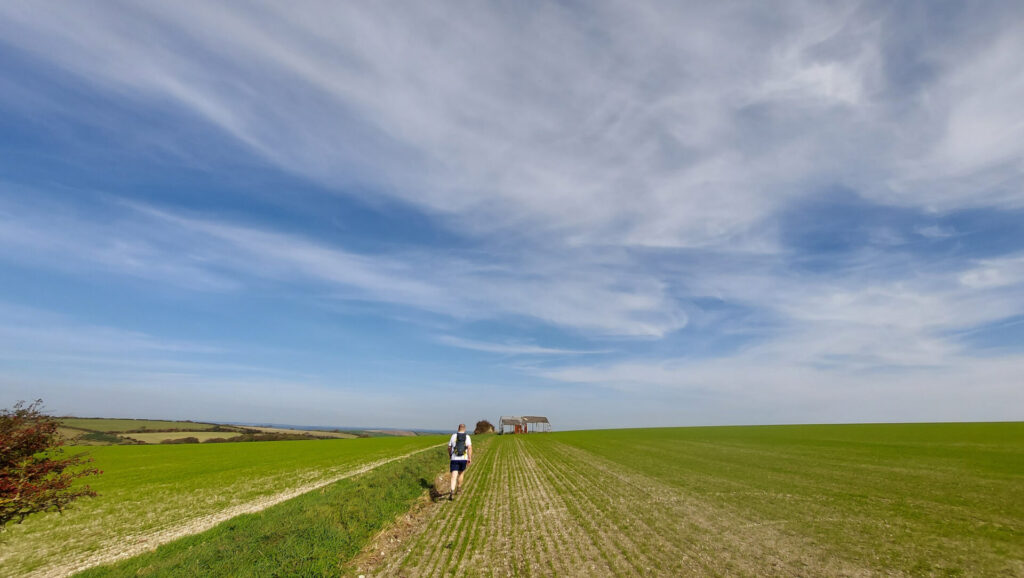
x=616, y=214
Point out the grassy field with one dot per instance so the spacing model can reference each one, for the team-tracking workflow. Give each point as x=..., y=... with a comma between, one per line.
x=924, y=499
x=917, y=500
x=120, y=425
x=312, y=535
x=148, y=491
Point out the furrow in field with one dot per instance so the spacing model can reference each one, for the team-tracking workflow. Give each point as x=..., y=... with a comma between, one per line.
x=464, y=509
x=496, y=539
x=540, y=508
x=511, y=523
x=650, y=515
x=532, y=529
x=535, y=506
x=612, y=544
x=557, y=555
x=574, y=551
x=515, y=522
x=723, y=541
x=542, y=511
x=518, y=490
x=594, y=505
x=435, y=545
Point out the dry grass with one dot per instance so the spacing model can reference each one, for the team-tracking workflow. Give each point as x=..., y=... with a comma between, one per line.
x=317, y=433
x=159, y=436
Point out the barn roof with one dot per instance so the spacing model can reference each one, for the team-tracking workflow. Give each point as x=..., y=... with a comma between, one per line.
x=522, y=420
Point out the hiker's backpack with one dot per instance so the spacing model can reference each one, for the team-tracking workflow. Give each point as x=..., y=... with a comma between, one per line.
x=460, y=444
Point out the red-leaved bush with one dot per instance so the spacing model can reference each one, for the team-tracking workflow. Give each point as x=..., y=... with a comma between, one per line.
x=35, y=475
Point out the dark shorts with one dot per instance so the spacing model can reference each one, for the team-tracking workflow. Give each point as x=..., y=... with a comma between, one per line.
x=458, y=465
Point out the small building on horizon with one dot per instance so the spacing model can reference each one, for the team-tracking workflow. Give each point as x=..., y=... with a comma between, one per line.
x=521, y=424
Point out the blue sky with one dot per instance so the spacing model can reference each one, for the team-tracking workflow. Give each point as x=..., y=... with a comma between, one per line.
x=614, y=214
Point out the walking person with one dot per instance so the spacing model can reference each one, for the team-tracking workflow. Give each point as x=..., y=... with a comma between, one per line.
x=460, y=455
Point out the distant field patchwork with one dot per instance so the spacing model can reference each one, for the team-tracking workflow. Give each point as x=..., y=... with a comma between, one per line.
x=312, y=432
x=122, y=425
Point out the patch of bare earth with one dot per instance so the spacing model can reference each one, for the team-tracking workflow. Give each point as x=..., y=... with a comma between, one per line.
x=390, y=540
x=552, y=509
x=130, y=546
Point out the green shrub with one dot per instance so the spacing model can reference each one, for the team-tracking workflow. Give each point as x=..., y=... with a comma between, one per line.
x=98, y=436
x=188, y=440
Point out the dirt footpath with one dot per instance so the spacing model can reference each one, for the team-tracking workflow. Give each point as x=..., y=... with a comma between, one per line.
x=547, y=508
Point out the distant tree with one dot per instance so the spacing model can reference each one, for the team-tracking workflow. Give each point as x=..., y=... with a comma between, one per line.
x=483, y=426
x=35, y=476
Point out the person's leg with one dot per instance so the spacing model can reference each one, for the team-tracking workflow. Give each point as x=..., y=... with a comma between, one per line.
x=462, y=473
x=454, y=476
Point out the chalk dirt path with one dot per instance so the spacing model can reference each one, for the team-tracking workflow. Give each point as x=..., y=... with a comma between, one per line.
x=137, y=544
x=553, y=509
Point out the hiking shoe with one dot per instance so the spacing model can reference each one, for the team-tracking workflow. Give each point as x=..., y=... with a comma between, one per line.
x=451, y=496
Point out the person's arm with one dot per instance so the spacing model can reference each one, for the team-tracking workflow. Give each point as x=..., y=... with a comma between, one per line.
x=469, y=453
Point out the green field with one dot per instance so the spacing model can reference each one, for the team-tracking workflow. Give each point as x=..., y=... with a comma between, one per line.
x=121, y=425
x=312, y=535
x=919, y=500
x=151, y=491
x=799, y=500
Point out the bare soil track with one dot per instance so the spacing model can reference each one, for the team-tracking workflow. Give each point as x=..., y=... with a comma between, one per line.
x=553, y=509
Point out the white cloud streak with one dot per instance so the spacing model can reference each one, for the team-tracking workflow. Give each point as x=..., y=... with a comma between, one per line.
x=628, y=123
x=203, y=254
x=511, y=348
x=593, y=136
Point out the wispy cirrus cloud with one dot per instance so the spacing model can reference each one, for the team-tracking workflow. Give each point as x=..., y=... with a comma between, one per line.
x=511, y=348
x=819, y=190
x=636, y=135
x=205, y=254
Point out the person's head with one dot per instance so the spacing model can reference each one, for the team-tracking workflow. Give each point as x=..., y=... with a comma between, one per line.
x=462, y=427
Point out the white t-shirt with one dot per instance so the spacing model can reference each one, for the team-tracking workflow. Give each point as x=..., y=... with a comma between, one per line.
x=451, y=445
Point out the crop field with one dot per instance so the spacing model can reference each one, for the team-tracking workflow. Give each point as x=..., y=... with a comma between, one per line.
x=925, y=499
x=150, y=494
x=312, y=432
x=155, y=437
x=70, y=433
x=942, y=499
x=120, y=425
